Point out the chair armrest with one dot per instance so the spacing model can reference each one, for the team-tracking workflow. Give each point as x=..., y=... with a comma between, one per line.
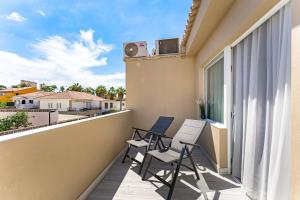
x=139, y=129
x=160, y=135
x=190, y=144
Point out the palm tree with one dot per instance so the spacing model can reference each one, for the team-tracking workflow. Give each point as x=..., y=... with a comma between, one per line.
x=120, y=93
x=89, y=90
x=101, y=91
x=2, y=87
x=111, y=93
x=75, y=87
x=62, y=89
x=48, y=88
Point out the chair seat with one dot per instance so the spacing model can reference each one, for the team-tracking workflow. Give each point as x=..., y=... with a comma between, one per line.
x=168, y=156
x=138, y=143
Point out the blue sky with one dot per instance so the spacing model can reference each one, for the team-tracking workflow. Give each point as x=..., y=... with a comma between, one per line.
x=62, y=42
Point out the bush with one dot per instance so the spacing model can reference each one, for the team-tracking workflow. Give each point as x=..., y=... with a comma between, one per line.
x=2, y=105
x=20, y=119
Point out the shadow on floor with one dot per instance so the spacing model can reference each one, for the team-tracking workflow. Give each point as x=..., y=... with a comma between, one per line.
x=123, y=182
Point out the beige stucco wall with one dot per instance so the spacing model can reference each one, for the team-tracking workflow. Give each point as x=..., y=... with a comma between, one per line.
x=60, y=163
x=295, y=87
x=214, y=141
x=160, y=86
x=240, y=17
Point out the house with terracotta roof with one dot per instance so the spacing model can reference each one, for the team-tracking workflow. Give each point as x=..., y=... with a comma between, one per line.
x=30, y=100
x=70, y=101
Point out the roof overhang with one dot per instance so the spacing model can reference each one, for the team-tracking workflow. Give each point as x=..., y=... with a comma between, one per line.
x=201, y=24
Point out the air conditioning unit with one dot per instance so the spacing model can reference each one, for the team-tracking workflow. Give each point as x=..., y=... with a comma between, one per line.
x=167, y=46
x=135, y=49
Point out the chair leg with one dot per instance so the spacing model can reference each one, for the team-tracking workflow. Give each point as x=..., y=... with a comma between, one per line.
x=142, y=164
x=193, y=164
x=126, y=153
x=175, y=175
x=146, y=170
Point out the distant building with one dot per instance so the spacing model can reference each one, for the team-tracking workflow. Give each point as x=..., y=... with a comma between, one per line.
x=108, y=105
x=30, y=100
x=6, y=95
x=70, y=101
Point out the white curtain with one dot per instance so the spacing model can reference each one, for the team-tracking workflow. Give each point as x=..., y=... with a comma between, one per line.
x=262, y=77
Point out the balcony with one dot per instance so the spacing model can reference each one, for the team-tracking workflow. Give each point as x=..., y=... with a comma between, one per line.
x=81, y=159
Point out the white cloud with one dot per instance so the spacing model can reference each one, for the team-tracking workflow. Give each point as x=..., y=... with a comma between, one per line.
x=41, y=12
x=14, y=16
x=61, y=62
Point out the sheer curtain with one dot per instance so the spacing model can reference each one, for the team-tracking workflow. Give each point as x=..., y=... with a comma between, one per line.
x=262, y=76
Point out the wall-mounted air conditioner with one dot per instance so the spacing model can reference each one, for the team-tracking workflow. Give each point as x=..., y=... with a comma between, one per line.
x=135, y=49
x=167, y=46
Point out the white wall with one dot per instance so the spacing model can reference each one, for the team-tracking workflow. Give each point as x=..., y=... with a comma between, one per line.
x=78, y=105
x=27, y=105
x=116, y=105
x=96, y=104
x=64, y=104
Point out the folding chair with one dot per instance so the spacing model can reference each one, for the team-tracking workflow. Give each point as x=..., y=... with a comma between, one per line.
x=180, y=148
x=159, y=128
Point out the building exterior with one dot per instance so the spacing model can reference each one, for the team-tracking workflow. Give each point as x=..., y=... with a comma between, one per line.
x=6, y=95
x=175, y=85
x=30, y=100
x=234, y=58
x=70, y=101
x=109, y=105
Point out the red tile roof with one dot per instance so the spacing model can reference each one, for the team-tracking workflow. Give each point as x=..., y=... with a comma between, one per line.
x=34, y=94
x=73, y=96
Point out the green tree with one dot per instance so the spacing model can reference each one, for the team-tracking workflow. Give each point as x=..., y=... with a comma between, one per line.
x=2, y=87
x=21, y=85
x=48, y=88
x=101, y=91
x=111, y=93
x=62, y=89
x=89, y=90
x=75, y=87
x=120, y=91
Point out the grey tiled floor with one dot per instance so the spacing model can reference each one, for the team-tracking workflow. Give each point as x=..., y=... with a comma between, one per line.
x=123, y=183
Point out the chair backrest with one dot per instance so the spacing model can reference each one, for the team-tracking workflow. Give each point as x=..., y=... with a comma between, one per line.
x=190, y=132
x=160, y=126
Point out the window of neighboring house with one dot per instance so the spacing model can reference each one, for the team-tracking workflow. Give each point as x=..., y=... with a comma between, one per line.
x=214, y=78
x=31, y=101
x=50, y=105
x=88, y=104
x=106, y=105
x=23, y=102
x=111, y=105
x=58, y=105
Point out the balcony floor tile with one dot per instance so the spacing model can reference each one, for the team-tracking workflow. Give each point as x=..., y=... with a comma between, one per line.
x=123, y=183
